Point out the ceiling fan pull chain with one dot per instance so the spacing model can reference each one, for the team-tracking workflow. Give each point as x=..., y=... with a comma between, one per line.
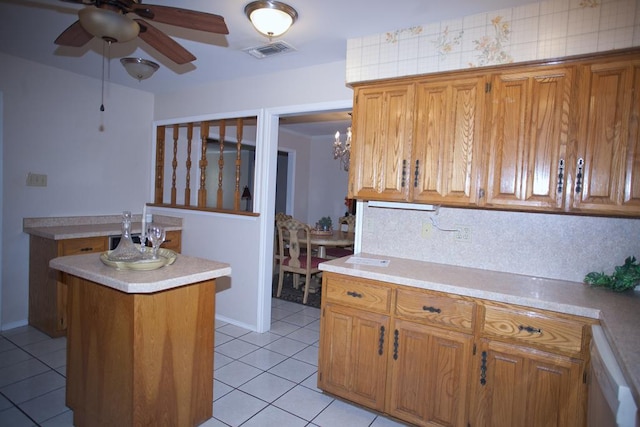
x=102, y=93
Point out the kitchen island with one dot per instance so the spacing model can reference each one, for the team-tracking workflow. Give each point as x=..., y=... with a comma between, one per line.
x=61, y=236
x=140, y=343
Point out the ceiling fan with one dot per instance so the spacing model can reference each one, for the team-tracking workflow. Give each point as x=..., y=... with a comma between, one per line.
x=108, y=20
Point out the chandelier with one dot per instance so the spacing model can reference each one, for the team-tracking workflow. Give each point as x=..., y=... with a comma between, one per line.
x=342, y=150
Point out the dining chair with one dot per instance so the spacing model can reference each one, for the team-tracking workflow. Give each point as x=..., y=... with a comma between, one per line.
x=339, y=252
x=349, y=221
x=278, y=251
x=295, y=236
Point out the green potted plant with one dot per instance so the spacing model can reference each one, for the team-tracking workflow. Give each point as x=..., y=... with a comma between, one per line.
x=624, y=277
x=324, y=224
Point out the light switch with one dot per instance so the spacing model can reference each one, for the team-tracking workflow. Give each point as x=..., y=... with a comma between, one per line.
x=36, y=180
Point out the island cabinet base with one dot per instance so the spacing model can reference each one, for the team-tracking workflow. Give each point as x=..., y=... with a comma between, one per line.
x=140, y=359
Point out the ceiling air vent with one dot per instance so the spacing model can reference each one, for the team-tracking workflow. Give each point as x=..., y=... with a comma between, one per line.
x=270, y=49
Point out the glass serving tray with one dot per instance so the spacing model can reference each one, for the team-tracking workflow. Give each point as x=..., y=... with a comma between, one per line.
x=165, y=257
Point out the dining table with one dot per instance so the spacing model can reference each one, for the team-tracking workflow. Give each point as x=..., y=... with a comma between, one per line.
x=335, y=238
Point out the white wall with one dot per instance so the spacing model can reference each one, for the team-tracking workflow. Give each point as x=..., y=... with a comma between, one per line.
x=328, y=182
x=246, y=244
x=300, y=148
x=96, y=163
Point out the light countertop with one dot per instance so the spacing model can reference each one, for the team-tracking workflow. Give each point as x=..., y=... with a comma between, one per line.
x=60, y=228
x=619, y=313
x=184, y=271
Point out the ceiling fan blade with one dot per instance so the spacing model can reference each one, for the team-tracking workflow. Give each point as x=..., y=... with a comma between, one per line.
x=163, y=43
x=184, y=18
x=80, y=1
x=74, y=36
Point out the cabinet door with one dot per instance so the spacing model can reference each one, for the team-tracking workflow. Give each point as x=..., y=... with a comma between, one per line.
x=447, y=133
x=527, y=140
x=516, y=386
x=353, y=355
x=381, y=145
x=607, y=167
x=84, y=245
x=429, y=375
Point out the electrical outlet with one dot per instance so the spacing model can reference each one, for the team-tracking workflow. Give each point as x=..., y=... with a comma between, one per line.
x=36, y=180
x=426, y=230
x=463, y=234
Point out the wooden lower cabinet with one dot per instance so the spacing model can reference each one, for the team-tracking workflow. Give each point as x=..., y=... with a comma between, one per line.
x=47, y=287
x=435, y=359
x=47, y=290
x=355, y=355
x=428, y=375
x=173, y=241
x=516, y=386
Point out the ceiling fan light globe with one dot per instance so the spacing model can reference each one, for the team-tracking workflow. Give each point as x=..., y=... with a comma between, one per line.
x=271, y=18
x=107, y=24
x=139, y=68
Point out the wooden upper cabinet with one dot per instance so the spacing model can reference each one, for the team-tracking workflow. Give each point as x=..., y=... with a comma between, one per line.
x=446, y=140
x=607, y=164
x=381, y=148
x=549, y=137
x=528, y=136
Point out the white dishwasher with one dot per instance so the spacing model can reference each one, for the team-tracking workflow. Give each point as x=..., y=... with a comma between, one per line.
x=610, y=401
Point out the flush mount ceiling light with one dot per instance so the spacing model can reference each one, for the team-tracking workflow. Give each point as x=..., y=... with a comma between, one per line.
x=271, y=18
x=108, y=25
x=139, y=68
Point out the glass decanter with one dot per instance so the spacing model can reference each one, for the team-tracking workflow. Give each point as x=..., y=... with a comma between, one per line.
x=126, y=249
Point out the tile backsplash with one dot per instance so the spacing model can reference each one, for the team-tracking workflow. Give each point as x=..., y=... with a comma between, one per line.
x=564, y=247
x=549, y=29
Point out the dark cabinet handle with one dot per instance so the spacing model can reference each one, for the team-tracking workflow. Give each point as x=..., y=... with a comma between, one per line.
x=86, y=249
x=560, y=175
x=381, y=341
x=396, y=338
x=354, y=294
x=530, y=329
x=416, y=173
x=431, y=309
x=579, y=175
x=404, y=173
x=483, y=369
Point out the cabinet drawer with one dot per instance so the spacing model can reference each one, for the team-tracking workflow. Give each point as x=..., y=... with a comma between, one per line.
x=173, y=241
x=435, y=308
x=357, y=293
x=541, y=329
x=85, y=245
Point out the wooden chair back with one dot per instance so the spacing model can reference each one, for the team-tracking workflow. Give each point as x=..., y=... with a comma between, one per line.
x=349, y=221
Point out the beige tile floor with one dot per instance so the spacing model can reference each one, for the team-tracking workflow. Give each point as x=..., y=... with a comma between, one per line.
x=261, y=380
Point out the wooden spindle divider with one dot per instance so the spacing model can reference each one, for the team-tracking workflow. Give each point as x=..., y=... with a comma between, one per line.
x=187, y=187
x=174, y=163
x=202, y=191
x=236, y=199
x=159, y=187
x=223, y=131
x=206, y=127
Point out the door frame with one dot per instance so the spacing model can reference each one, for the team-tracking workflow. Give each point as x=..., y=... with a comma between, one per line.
x=267, y=170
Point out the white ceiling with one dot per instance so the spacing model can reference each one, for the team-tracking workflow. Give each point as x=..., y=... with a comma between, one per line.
x=29, y=27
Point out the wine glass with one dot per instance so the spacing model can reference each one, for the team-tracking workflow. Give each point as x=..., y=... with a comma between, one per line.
x=143, y=241
x=156, y=236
